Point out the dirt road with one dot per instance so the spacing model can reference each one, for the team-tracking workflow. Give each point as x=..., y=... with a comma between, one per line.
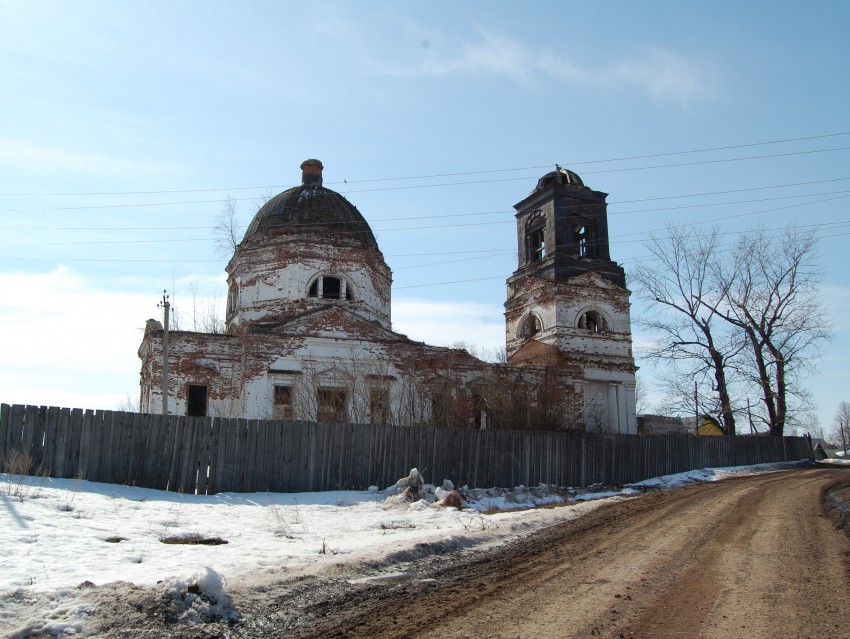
x=751, y=557
x=754, y=557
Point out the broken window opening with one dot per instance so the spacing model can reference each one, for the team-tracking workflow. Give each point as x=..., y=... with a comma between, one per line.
x=331, y=405
x=282, y=403
x=531, y=326
x=481, y=418
x=440, y=415
x=536, y=248
x=196, y=400
x=584, y=239
x=330, y=288
x=379, y=406
x=232, y=297
x=592, y=321
x=580, y=233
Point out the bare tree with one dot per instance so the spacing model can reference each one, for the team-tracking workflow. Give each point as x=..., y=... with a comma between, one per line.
x=811, y=424
x=499, y=355
x=206, y=314
x=769, y=290
x=225, y=407
x=260, y=201
x=496, y=355
x=678, y=284
x=842, y=425
x=227, y=232
x=535, y=398
x=641, y=401
x=128, y=405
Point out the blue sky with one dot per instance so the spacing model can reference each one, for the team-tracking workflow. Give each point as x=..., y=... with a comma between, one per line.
x=123, y=126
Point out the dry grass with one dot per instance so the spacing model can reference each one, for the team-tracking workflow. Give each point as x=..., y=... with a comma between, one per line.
x=453, y=500
x=17, y=465
x=397, y=525
x=193, y=539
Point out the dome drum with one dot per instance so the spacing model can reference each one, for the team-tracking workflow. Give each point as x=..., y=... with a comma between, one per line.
x=307, y=247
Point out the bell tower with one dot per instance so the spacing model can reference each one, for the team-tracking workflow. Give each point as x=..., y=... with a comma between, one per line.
x=567, y=301
x=562, y=230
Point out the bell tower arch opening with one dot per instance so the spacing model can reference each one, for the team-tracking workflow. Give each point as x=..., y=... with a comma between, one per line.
x=535, y=237
x=530, y=326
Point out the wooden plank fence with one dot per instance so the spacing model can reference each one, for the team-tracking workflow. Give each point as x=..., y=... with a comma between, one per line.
x=208, y=455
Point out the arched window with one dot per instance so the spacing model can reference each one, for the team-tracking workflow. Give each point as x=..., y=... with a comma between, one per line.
x=530, y=326
x=328, y=287
x=535, y=237
x=593, y=321
x=580, y=233
x=232, y=298
x=584, y=238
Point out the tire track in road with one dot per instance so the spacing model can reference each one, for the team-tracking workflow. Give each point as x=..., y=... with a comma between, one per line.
x=727, y=559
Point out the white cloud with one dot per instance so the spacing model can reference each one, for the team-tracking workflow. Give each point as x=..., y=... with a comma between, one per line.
x=663, y=75
x=494, y=55
x=17, y=154
x=660, y=73
x=447, y=323
x=65, y=342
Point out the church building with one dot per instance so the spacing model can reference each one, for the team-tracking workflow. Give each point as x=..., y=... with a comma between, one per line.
x=309, y=332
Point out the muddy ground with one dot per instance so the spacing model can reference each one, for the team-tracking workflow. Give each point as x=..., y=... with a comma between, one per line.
x=760, y=556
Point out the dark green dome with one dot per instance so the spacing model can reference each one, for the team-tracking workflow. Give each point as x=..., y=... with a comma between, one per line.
x=560, y=176
x=311, y=209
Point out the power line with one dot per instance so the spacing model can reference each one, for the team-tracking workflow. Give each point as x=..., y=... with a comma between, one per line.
x=478, y=214
x=621, y=159
x=648, y=258
x=95, y=207
x=739, y=215
x=460, y=173
x=622, y=170
x=474, y=279
x=464, y=259
x=727, y=192
x=342, y=225
x=99, y=259
x=494, y=254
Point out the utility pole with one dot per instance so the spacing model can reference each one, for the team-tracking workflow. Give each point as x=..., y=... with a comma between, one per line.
x=166, y=307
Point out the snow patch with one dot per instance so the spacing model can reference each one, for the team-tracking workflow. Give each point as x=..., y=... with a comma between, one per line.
x=54, y=615
x=200, y=598
x=48, y=551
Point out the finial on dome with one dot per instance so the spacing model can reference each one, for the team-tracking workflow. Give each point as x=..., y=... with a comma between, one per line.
x=311, y=172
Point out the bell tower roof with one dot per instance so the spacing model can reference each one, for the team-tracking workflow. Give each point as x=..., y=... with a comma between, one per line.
x=559, y=176
x=562, y=230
